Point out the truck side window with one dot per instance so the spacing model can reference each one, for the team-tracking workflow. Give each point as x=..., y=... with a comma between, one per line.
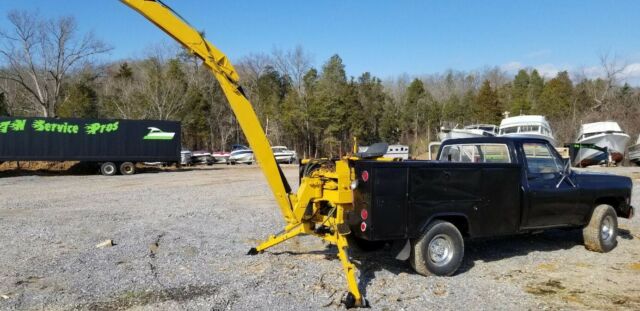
x=540, y=160
x=476, y=153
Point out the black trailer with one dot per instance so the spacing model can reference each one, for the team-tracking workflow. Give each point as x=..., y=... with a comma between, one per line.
x=115, y=145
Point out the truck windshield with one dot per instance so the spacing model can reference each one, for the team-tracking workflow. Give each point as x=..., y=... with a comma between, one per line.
x=540, y=159
x=476, y=153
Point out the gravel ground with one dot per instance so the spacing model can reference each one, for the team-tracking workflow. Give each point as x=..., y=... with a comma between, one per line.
x=181, y=239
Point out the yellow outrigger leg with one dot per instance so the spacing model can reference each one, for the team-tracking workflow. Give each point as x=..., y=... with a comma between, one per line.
x=325, y=187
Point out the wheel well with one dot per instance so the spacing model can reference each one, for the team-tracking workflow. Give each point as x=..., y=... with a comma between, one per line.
x=615, y=202
x=459, y=221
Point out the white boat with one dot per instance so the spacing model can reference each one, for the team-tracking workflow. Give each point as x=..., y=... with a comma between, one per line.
x=157, y=134
x=602, y=134
x=397, y=152
x=634, y=152
x=240, y=154
x=530, y=126
x=393, y=151
x=469, y=131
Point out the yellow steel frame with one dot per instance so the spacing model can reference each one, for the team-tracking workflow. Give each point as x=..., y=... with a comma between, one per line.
x=322, y=188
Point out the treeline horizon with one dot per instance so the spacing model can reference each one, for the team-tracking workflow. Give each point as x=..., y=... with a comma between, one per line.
x=317, y=110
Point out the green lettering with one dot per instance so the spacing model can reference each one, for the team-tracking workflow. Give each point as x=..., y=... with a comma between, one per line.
x=92, y=128
x=18, y=125
x=4, y=126
x=38, y=125
x=74, y=129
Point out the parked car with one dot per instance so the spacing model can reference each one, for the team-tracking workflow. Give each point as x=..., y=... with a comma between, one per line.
x=202, y=157
x=241, y=154
x=284, y=155
x=482, y=188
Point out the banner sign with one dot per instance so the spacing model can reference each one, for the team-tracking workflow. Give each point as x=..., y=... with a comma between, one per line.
x=49, y=139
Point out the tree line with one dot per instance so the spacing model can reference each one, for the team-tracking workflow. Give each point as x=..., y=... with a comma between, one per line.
x=49, y=68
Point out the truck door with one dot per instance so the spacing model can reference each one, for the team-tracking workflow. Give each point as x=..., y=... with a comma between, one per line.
x=552, y=201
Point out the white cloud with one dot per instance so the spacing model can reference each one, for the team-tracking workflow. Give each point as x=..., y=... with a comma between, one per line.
x=538, y=54
x=632, y=71
x=512, y=67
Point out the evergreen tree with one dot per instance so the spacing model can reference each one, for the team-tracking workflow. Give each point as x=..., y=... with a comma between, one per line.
x=487, y=108
x=414, y=107
x=555, y=100
x=390, y=130
x=520, y=103
x=536, y=85
x=81, y=101
x=330, y=107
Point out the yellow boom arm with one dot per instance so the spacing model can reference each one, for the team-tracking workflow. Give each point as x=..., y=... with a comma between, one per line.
x=163, y=17
x=324, y=197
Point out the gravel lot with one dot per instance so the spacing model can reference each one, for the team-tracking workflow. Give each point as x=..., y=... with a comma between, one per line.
x=181, y=239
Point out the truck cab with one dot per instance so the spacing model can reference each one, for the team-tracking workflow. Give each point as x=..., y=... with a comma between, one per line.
x=483, y=187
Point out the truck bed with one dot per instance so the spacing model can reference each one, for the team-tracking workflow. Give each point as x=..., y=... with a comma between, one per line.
x=402, y=197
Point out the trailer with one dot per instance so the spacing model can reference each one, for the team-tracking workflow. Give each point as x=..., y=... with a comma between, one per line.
x=113, y=145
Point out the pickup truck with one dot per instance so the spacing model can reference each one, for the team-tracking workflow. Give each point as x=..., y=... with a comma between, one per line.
x=480, y=188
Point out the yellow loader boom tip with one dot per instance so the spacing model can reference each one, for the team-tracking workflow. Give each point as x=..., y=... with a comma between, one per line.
x=324, y=197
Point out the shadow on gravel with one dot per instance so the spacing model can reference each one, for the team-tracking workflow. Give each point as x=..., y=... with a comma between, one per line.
x=625, y=234
x=45, y=169
x=515, y=246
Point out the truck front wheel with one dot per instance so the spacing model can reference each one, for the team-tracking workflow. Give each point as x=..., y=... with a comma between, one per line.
x=601, y=234
x=108, y=169
x=127, y=168
x=439, y=251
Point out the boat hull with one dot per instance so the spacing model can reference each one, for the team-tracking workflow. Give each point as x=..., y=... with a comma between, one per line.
x=615, y=143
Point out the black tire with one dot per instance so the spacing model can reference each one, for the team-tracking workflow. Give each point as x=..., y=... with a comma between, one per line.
x=601, y=234
x=108, y=169
x=439, y=251
x=127, y=168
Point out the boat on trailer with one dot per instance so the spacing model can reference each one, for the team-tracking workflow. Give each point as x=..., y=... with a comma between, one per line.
x=606, y=134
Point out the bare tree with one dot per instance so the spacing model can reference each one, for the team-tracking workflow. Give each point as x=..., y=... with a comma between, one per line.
x=294, y=63
x=40, y=53
x=613, y=70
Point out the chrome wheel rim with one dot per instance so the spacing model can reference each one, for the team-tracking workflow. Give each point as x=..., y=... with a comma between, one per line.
x=606, y=230
x=109, y=169
x=440, y=250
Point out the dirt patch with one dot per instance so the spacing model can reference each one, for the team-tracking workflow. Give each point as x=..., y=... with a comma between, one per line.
x=132, y=299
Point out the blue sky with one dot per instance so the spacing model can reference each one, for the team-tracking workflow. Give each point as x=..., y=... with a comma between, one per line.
x=386, y=38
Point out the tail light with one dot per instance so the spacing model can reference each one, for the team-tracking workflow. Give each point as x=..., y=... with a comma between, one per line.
x=364, y=214
x=363, y=226
x=365, y=176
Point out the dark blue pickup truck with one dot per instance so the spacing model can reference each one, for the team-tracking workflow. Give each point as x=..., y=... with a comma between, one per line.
x=483, y=187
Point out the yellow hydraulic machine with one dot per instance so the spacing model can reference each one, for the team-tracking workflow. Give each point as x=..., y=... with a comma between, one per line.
x=324, y=197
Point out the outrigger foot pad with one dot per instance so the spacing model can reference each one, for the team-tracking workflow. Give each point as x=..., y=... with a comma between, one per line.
x=350, y=302
x=253, y=251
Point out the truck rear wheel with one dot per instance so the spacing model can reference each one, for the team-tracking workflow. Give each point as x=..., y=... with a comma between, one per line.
x=108, y=169
x=601, y=234
x=439, y=251
x=127, y=168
